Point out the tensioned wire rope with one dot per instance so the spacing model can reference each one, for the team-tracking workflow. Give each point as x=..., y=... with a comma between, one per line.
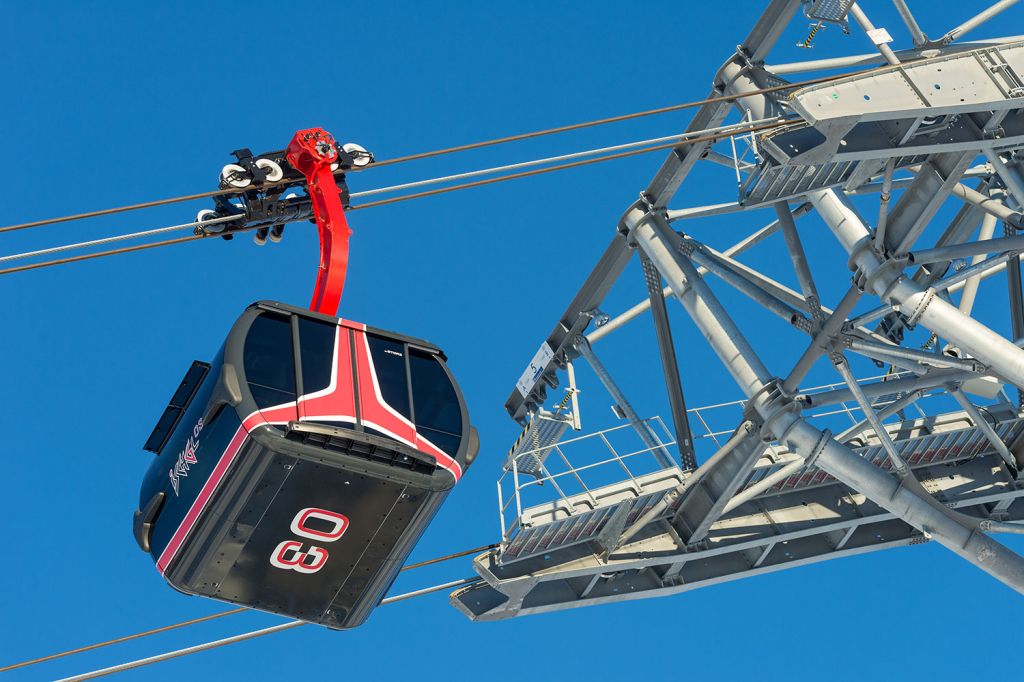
x=200, y=225
x=678, y=141
x=452, y=150
x=177, y=653
x=214, y=616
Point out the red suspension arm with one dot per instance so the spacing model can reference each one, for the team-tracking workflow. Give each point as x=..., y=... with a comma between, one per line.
x=312, y=152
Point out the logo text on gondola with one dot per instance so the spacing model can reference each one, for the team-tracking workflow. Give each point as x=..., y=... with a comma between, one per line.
x=186, y=457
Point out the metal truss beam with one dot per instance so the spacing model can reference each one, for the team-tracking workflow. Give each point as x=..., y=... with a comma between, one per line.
x=874, y=59
x=762, y=37
x=739, y=247
x=645, y=432
x=908, y=18
x=705, y=502
x=782, y=491
x=573, y=322
x=669, y=366
x=904, y=496
x=764, y=534
x=976, y=21
x=920, y=305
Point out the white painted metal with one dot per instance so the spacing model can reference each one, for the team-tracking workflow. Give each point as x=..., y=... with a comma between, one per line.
x=931, y=450
x=957, y=83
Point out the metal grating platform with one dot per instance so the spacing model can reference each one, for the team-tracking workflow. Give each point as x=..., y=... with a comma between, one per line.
x=577, y=529
x=568, y=555
x=827, y=10
x=537, y=537
x=771, y=182
x=931, y=449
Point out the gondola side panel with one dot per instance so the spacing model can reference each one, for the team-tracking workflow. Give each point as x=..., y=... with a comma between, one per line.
x=182, y=470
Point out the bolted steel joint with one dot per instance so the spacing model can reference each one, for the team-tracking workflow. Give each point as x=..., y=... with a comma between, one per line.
x=685, y=245
x=803, y=324
x=766, y=406
x=819, y=447
x=926, y=299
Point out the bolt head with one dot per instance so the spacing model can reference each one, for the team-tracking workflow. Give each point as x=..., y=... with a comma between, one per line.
x=325, y=150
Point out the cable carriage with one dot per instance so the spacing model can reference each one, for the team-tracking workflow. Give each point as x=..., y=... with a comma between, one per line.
x=296, y=471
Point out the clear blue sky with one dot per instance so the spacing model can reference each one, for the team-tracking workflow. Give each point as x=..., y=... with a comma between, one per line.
x=114, y=103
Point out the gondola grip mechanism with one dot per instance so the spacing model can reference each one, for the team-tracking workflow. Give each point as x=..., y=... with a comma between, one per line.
x=312, y=152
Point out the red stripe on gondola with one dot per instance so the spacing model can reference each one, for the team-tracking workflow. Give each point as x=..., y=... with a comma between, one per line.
x=334, y=403
x=376, y=413
x=219, y=470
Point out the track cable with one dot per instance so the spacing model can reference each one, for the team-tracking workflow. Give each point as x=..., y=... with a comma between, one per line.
x=215, y=616
x=681, y=140
x=206, y=646
x=450, y=150
x=199, y=226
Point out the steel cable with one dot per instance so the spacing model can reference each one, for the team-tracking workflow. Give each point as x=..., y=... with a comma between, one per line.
x=680, y=140
x=393, y=188
x=678, y=137
x=100, y=254
x=450, y=150
x=118, y=238
x=206, y=646
x=611, y=119
x=214, y=616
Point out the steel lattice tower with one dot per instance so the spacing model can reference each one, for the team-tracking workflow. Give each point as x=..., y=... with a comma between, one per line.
x=939, y=123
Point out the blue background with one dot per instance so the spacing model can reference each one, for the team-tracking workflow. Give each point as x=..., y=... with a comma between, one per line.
x=113, y=103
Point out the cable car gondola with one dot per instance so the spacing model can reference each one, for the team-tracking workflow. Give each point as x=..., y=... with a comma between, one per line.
x=296, y=471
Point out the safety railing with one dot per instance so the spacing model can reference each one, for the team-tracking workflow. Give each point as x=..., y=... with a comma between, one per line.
x=711, y=425
x=611, y=456
x=573, y=470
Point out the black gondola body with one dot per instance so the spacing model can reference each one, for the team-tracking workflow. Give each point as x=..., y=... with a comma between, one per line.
x=295, y=472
